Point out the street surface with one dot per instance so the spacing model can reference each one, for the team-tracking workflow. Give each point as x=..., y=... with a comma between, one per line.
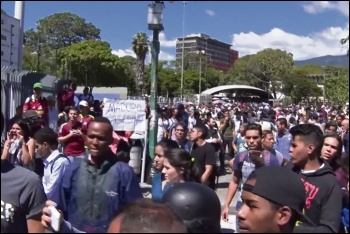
x=227, y=227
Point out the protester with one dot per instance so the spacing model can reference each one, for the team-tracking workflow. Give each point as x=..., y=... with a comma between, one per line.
x=332, y=150
x=162, y=147
x=246, y=162
x=19, y=147
x=37, y=102
x=324, y=197
x=177, y=168
x=97, y=186
x=72, y=135
x=22, y=198
x=273, y=199
x=55, y=162
x=52, y=113
x=204, y=155
x=283, y=138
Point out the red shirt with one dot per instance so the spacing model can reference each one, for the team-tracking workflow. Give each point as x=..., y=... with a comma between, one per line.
x=66, y=98
x=39, y=105
x=85, y=120
x=74, y=146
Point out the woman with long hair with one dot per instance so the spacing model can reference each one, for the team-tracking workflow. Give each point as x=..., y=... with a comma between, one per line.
x=161, y=148
x=19, y=148
x=178, y=167
x=332, y=150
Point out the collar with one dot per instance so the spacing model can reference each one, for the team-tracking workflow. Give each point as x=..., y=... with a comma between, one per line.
x=51, y=157
x=105, y=165
x=33, y=98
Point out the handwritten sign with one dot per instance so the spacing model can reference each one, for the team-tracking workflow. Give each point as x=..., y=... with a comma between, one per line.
x=124, y=115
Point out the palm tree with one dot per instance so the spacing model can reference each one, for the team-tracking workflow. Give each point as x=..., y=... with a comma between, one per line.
x=344, y=41
x=140, y=47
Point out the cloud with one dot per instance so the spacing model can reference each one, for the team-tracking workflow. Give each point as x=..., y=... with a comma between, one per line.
x=164, y=42
x=325, y=42
x=315, y=7
x=163, y=56
x=210, y=12
x=122, y=53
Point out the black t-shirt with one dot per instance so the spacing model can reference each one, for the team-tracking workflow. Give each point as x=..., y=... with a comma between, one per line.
x=205, y=155
x=213, y=133
x=22, y=197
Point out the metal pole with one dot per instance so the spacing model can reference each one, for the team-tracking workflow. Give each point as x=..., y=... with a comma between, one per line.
x=155, y=47
x=86, y=79
x=324, y=88
x=183, y=51
x=19, y=14
x=200, y=77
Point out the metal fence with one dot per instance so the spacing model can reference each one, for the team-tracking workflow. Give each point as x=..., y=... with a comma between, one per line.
x=16, y=86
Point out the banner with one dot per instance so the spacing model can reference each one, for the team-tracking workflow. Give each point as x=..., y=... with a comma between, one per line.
x=125, y=115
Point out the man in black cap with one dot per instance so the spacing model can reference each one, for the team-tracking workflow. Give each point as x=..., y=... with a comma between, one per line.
x=273, y=201
x=197, y=205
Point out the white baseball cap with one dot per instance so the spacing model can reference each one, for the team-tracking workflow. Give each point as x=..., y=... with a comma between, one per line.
x=83, y=103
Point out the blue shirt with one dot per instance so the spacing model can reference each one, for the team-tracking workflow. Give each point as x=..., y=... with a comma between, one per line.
x=93, y=195
x=52, y=180
x=282, y=143
x=157, y=190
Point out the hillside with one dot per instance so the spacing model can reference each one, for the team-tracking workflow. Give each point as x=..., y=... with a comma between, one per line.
x=328, y=60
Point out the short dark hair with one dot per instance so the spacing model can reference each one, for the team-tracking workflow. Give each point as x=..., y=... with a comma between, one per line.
x=46, y=135
x=254, y=127
x=310, y=133
x=282, y=121
x=73, y=108
x=331, y=124
x=147, y=216
x=167, y=144
x=104, y=120
x=203, y=129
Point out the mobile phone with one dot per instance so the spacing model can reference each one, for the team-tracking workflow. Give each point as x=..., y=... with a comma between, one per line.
x=55, y=218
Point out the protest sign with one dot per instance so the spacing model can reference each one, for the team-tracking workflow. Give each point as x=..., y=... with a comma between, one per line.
x=125, y=115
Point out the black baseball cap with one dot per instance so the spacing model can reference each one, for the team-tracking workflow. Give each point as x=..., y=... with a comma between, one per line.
x=280, y=185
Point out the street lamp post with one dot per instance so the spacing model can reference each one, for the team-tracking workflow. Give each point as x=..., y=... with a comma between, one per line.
x=324, y=86
x=200, y=53
x=155, y=23
x=183, y=51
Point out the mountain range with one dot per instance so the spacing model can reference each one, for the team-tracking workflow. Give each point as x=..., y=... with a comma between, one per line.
x=328, y=60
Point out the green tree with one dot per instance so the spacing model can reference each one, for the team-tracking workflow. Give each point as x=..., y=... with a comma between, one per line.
x=56, y=32
x=337, y=89
x=274, y=66
x=243, y=73
x=129, y=65
x=140, y=47
x=93, y=63
x=299, y=85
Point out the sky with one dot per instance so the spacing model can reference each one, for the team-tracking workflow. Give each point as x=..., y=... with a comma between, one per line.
x=306, y=29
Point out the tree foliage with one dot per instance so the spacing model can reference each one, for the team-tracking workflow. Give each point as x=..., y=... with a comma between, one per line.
x=300, y=86
x=56, y=32
x=337, y=89
x=92, y=62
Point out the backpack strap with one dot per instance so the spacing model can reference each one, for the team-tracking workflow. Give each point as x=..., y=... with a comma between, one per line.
x=57, y=157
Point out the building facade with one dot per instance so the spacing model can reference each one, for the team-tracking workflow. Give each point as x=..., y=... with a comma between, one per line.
x=216, y=53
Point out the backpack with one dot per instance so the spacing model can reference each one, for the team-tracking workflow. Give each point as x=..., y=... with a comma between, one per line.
x=57, y=157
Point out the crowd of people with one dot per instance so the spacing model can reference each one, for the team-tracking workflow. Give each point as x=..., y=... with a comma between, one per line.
x=289, y=165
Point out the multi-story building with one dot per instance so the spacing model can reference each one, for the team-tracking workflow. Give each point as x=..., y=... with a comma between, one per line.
x=218, y=54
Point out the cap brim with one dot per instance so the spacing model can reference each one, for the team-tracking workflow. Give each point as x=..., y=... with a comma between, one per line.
x=304, y=219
